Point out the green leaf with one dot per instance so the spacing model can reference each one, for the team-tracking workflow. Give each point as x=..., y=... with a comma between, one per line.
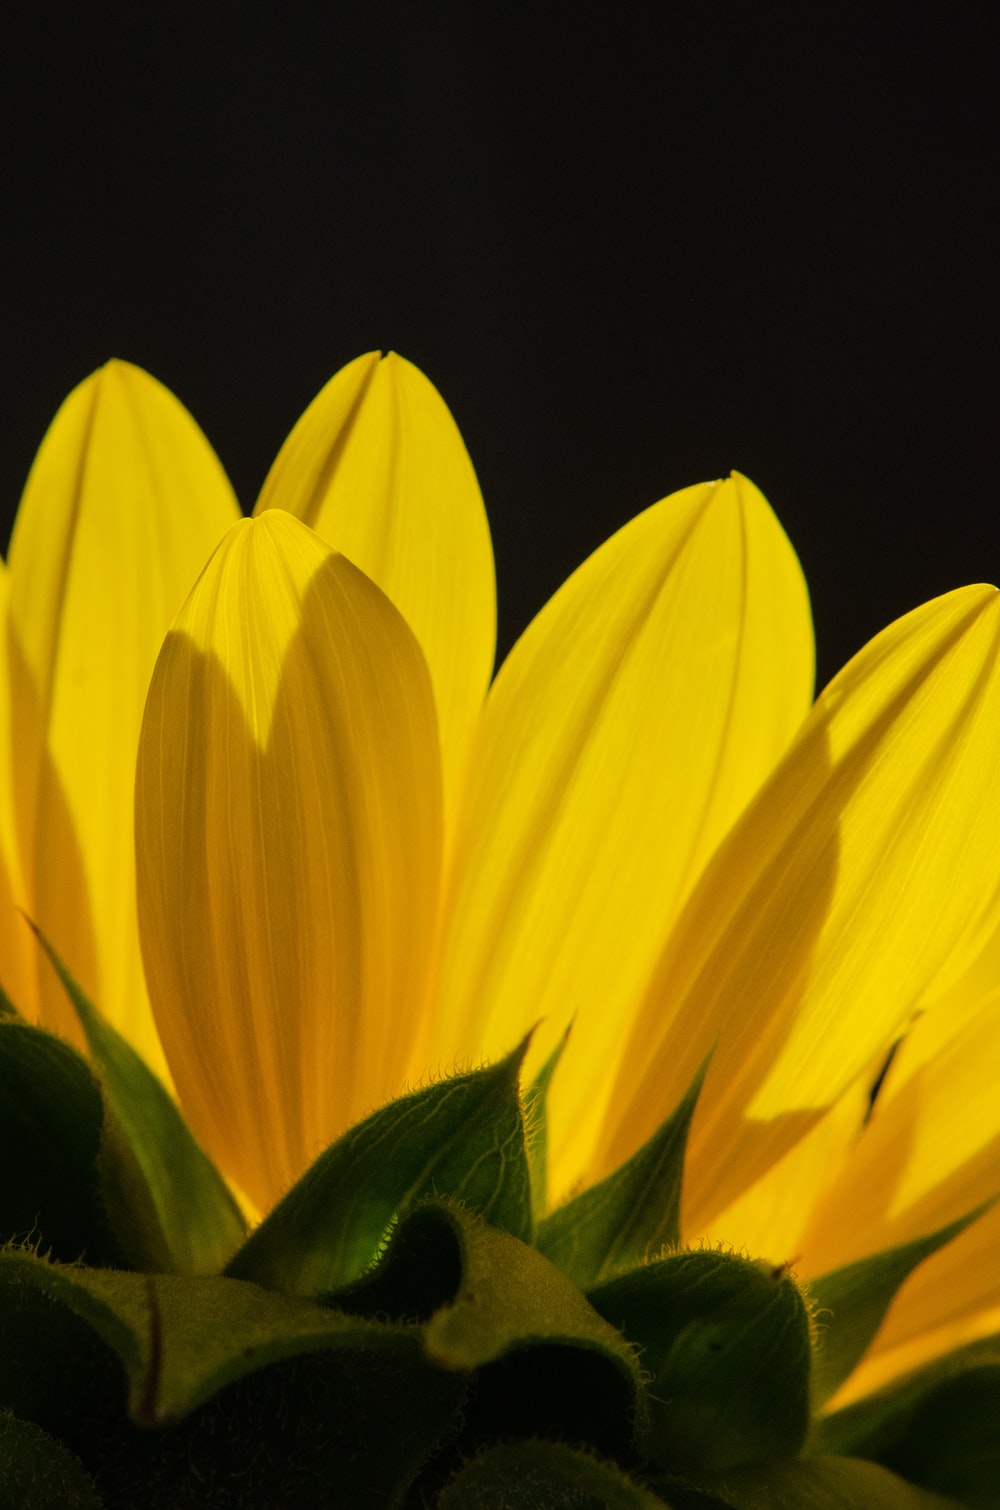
x=936, y=1425
x=544, y=1476
x=463, y=1137
x=850, y=1303
x=546, y=1363
x=37, y=1472
x=821, y=1483
x=536, y=1128
x=631, y=1215
x=51, y=1117
x=170, y=1208
x=726, y=1343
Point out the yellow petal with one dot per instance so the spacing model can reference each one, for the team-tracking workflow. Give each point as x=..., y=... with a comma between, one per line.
x=16, y=958
x=951, y=1299
x=830, y=908
x=931, y=1151
x=768, y=1218
x=288, y=831
x=958, y=1286
x=124, y=503
x=377, y=468
x=890, y=1358
x=627, y=729
x=959, y=993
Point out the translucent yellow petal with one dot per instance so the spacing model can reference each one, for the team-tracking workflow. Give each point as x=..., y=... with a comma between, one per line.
x=881, y=1368
x=958, y=994
x=931, y=1151
x=954, y=1287
x=861, y=865
x=627, y=729
x=16, y=955
x=123, y=505
x=964, y=979
x=769, y=1218
x=288, y=830
x=951, y=1299
x=377, y=468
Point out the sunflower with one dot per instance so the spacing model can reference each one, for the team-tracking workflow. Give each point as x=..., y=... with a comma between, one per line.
x=267, y=809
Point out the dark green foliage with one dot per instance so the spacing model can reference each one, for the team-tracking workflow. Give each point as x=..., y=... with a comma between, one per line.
x=51, y=1122
x=939, y=1426
x=38, y=1473
x=169, y=1206
x=726, y=1344
x=525, y=1475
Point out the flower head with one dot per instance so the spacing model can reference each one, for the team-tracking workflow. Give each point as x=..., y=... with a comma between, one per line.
x=358, y=862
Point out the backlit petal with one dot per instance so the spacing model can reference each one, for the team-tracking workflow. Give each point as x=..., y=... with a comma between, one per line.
x=931, y=1151
x=377, y=468
x=627, y=729
x=288, y=833
x=123, y=505
x=16, y=954
x=833, y=904
x=767, y=1219
x=951, y=1299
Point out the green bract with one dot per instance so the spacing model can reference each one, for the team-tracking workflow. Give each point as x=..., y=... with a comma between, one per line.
x=391, y=1339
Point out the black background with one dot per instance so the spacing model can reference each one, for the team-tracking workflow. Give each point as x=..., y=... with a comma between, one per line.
x=632, y=254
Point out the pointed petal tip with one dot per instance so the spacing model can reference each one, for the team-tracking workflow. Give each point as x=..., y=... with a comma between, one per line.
x=277, y=523
x=124, y=502
x=377, y=467
x=590, y=690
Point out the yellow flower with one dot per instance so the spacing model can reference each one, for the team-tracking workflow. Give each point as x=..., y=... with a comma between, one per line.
x=358, y=863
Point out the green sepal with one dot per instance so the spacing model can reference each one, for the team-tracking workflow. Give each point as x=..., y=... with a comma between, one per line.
x=183, y=1338
x=51, y=1119
x=631, y=1215
x=820, y=1483
x=546, y=1363
x=937, y=1425
x=850, y=1303
x=680, y=1494
x=544, y=1476
x=463, y=1137
x=418, y=1272
x=537, y=1128
x=725, y=1341
x=170, y=1208
x=37, y=1472
x=7, y=1008
x=50, y=1360
x=350, y=1418
x=511, y=1296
